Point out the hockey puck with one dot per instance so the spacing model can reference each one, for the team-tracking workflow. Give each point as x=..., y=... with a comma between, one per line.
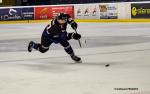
x=107, y=65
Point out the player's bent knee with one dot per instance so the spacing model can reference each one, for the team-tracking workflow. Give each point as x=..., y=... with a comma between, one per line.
x=43, y=49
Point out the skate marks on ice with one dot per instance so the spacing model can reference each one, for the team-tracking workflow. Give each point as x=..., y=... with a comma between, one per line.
x=20, y=45
x=14, y=45
x=67, y=60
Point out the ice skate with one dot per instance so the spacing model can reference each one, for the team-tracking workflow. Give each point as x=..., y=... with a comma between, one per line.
x=76, y=59
x=30, y=46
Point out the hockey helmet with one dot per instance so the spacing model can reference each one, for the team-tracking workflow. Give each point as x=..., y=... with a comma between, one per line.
x=62, y=16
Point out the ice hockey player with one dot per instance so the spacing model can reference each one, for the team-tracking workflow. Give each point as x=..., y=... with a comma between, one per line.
x=55, y=32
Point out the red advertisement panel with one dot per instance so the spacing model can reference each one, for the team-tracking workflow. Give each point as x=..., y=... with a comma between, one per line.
x=64, y=9
x=43, y=13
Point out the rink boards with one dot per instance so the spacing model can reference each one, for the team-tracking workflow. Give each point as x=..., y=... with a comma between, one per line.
x=96, y=12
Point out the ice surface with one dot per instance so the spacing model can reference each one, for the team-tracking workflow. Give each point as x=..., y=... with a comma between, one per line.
x=125, y=46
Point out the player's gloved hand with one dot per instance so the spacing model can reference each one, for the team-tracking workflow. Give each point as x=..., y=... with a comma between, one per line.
x=74, y=25
x=76, y=36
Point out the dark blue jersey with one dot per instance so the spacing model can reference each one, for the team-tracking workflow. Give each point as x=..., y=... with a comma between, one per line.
x=69, y=20
x=57, y=31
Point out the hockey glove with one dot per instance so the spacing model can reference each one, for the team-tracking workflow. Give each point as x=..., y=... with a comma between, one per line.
x=76, y=36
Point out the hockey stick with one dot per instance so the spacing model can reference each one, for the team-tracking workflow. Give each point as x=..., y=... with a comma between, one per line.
x=78, y=39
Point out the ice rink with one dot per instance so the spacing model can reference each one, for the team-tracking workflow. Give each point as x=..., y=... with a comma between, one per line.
x=125, y=46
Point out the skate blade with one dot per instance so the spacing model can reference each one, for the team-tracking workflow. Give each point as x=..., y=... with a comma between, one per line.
x=78, y=61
